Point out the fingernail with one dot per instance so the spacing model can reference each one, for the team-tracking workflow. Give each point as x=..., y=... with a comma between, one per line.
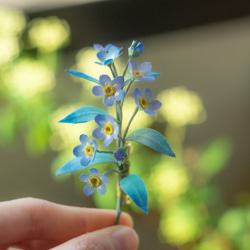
x=124, y=238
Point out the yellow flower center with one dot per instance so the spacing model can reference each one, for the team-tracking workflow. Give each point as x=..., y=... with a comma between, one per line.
x=108, y=90
x=89, y=150
x=137, y=73
x=95, y=181
x=108, y=129
x=143, y=103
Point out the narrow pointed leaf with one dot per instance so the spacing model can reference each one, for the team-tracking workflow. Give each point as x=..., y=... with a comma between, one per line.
x=82, y=75
x=135, y=188
x=153, y=139
x=154, y=74
x=74, y=164
x=83, y=114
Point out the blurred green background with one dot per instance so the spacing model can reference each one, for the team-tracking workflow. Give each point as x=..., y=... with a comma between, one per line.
x=197, y=201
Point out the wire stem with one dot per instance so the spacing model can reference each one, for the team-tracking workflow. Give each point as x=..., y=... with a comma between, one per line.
x=129, y=123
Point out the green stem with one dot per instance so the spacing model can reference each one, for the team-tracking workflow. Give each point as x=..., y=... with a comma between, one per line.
x=105, y=151
x=112, y=70
x=120, y=198
x=119, y=118
x=125, y=69
x=129, y=123
x=126, y=91
x=118, y=209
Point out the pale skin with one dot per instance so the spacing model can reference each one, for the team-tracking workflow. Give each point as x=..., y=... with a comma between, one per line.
x=34, y=224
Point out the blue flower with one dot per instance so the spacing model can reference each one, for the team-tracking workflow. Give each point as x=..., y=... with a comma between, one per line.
x=135, y=51
x=99, y=47
x=86, y=150
x=120, y=154
x=107, y=129
x=141, y=72
x=144, y=101
x=109, y=54
x=111, y=90
x=94, y=181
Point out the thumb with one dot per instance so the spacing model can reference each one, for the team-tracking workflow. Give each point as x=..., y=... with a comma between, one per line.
x=110, y=238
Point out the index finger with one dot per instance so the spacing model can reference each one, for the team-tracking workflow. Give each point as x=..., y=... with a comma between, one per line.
x=28, y=218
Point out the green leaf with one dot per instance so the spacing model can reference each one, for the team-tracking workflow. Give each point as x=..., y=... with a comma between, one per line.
x=74, y=164
x=153, y=139
x=135, y=188
x=83, y=114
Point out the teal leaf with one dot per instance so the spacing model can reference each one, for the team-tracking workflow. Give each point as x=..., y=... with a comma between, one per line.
x=82, y=75
x=74, y=164
x=135, y=188
x=154, y=74
x=153, y=139
x=83, y=114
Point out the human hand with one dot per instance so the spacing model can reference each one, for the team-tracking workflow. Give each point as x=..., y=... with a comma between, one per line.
x=35, y=224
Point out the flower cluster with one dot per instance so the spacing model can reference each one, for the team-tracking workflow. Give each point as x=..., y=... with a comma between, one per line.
x=114, y=90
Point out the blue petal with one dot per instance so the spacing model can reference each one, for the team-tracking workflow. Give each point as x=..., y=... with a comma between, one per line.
x=119, y=80
x=155, y=104
x=100, y=119
x=149, y=112
x=133, y=65
x=88, y=189
x=119, y=94
x=108, y=61
x=93, y=171
x=98, y=134
x=107, y=141
x=104, y=79
x=102, y=189
x=110, y=119
x=135, y=188
x=94, y=144
x=147, y=93
x=97, y=90
x=109, y=100
x=137, y=94
x=84, y=139
x=82, y=75
x=75, y=165
x=153, y=139
x=85, y=160
x=78, y=151
x=116, y=131
x=104, y=178
x=98, y=47
x=84, y=177
x=101, y=56
x=84, y=114
x=146, y=68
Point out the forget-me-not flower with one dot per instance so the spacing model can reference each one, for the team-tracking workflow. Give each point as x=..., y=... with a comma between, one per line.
x=107, y=129
x=108, y=55
x=94, y=181
x=86, y=150
x=141, y=72
x=109, y=89
x=144, y=101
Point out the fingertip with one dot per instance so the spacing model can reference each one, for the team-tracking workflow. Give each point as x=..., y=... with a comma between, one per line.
x=120, y=238
x=126, y=220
